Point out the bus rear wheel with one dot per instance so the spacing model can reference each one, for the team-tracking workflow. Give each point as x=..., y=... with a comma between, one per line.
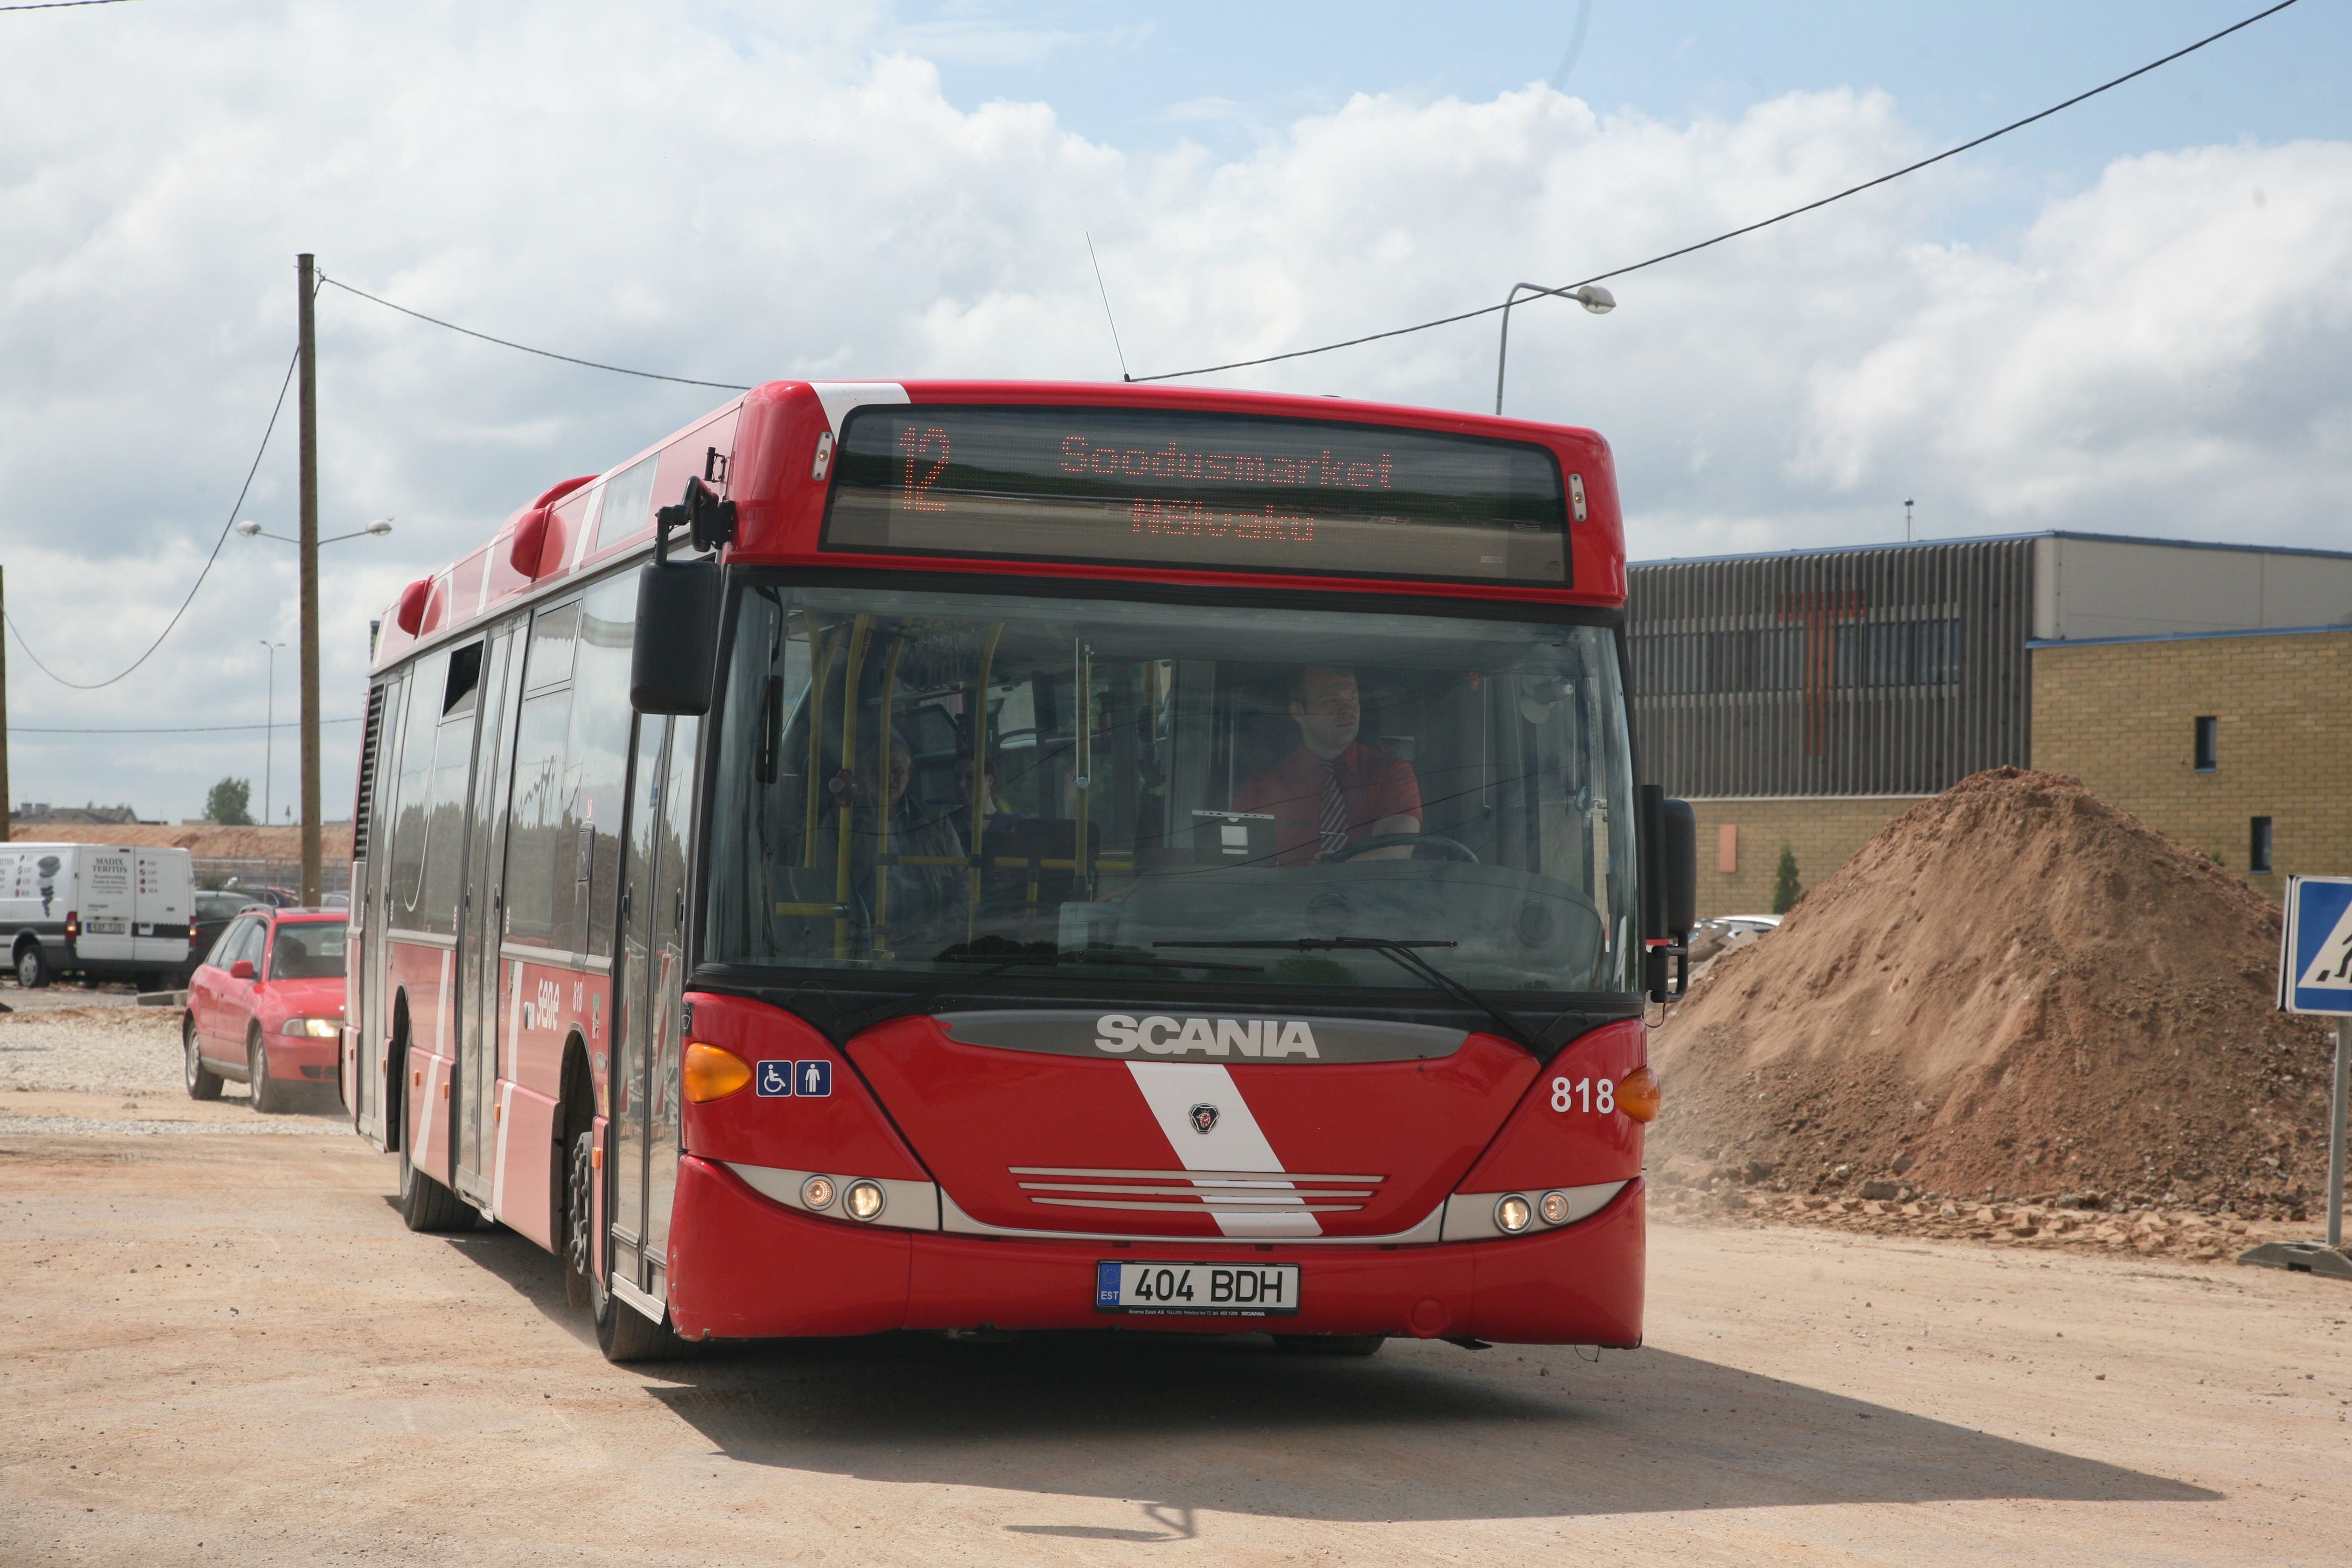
x=427, y=1204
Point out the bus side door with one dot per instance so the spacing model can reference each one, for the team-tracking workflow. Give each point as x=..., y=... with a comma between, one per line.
x=482, y=922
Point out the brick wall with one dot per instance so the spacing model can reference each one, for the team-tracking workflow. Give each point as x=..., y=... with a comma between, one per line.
x=2121, y=718
x=1823, y=831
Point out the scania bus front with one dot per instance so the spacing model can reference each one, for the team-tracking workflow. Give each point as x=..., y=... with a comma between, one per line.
x=1169, y=860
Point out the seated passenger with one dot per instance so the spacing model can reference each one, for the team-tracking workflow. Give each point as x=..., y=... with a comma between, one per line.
x=1333, y=791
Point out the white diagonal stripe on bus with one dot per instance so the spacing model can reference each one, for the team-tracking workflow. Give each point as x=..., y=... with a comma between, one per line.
x=1170, y=1091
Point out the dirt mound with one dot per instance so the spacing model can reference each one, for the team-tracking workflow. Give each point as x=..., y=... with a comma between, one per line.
x=2015, y=989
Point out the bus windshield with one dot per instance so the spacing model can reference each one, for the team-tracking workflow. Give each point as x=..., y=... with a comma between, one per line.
x=926, y=783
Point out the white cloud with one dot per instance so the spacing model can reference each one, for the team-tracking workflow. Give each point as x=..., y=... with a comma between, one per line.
x=735, y=196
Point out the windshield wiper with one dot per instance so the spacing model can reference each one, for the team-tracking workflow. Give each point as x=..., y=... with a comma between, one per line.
x=1398, y=951
x=1131, y=960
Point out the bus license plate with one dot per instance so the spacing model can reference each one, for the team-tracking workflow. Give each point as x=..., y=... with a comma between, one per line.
x=1207, y=1289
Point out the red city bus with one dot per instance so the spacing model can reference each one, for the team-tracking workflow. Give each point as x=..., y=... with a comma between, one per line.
x=1024, y=857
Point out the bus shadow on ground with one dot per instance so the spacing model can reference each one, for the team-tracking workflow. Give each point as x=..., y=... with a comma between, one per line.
x=1425, y=1431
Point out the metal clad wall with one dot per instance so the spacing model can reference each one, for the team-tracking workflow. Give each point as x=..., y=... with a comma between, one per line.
x=1892, y=671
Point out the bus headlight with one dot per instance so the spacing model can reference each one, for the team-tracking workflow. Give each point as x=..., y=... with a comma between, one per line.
x=1512, y=1213
x=1554, y=1208
x=315, y=1029
x=817, y=1192
x=864, y=1200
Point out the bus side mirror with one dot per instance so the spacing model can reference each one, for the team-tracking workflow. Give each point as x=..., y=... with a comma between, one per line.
x=1669, y=892
x=673, y=664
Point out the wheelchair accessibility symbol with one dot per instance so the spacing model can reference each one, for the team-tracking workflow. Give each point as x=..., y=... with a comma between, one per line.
x=808, y=1079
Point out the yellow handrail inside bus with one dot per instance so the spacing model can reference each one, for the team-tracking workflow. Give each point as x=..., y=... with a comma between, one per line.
x=845, y=809
x=884, y=742
x=978, y=773
x=819, y=666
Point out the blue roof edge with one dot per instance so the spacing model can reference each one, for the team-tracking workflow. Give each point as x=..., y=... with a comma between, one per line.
x=1998, y=539
x=2033, y=643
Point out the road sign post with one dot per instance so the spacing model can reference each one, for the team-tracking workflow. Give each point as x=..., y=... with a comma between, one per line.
x=2316, y=976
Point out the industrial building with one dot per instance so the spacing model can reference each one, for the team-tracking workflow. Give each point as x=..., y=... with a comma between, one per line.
x=1805, y=698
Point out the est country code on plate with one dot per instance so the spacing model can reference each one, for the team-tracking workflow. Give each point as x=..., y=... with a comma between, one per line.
x=1211, y=1289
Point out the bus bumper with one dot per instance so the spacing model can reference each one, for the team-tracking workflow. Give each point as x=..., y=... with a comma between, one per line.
x=742, y=1267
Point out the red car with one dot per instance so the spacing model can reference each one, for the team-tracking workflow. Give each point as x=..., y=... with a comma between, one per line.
x=266, y=1006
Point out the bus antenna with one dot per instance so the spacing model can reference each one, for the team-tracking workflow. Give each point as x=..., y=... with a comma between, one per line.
x=1105, y=300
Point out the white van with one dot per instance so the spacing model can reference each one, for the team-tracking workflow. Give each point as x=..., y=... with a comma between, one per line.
x=105, y=911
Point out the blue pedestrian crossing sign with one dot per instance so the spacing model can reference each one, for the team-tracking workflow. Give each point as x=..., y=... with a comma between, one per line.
x=2316, y=946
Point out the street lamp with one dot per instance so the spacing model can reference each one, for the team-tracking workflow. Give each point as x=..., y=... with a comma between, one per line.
x=269, y=731
x=377, y=529
x=1591, y=296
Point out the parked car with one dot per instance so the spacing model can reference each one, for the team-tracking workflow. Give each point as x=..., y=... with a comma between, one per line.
x=266, y=1006
x=102, y=911
x=214, y=911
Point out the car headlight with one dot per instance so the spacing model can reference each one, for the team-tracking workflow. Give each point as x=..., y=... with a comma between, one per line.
x=315, y=1029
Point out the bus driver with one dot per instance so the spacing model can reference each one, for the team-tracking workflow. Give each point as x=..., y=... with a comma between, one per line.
x=1333, y=791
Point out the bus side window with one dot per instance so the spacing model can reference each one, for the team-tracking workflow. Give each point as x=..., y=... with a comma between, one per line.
x=596, y=751
x=543, y=825
x=409, y=809
x=453, y=768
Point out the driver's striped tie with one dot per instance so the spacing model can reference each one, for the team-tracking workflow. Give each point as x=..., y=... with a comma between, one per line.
x=1335, y=811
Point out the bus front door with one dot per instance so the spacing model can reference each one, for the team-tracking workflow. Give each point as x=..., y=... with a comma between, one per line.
x=645, y=1081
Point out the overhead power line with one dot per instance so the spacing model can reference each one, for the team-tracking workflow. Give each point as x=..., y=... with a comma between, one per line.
x=237, y=507
x=61, y=5
x=1749, y=228
x=526, y=348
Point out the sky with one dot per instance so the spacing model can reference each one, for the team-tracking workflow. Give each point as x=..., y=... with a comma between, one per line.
x=2133, y=318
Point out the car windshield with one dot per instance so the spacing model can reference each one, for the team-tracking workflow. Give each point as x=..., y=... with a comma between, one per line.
x=1144, y=774
x=220, y=906
x=308, y=950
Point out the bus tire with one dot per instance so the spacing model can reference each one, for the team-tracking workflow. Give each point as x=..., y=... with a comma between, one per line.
x=203, y=1082
x=580, y=1219
x=1331, y=1345
x=427, y=1204
x=623, y=1333
x=269, y=1097
x=32, y=970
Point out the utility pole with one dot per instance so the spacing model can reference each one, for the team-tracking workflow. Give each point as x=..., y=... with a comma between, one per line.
x=7, y=828
x=308, y=572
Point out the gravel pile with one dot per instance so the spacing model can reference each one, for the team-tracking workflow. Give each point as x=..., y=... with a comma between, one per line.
x=2015, y=995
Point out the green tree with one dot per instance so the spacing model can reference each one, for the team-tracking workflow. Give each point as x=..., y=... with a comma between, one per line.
x=1785, y=888
x=230, y=803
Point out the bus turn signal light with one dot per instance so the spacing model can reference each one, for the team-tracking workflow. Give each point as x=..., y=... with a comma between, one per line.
x=1637, y=1094
x=713, y=1074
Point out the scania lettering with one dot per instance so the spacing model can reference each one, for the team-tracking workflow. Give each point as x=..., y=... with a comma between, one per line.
x=947, y=855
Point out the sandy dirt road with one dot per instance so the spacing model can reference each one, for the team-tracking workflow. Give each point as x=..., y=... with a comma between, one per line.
x=226, y=1349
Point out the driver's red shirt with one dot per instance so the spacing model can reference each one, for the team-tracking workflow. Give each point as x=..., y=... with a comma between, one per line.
x=1373, y=783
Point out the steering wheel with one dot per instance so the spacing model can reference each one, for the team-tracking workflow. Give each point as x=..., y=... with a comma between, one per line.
x=1383, y=840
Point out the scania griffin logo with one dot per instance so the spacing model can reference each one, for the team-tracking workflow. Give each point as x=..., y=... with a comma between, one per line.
x=1164, y=1036
x=1205, y=1119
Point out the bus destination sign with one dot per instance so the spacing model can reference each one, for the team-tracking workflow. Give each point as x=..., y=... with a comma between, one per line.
x=1170, y=488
